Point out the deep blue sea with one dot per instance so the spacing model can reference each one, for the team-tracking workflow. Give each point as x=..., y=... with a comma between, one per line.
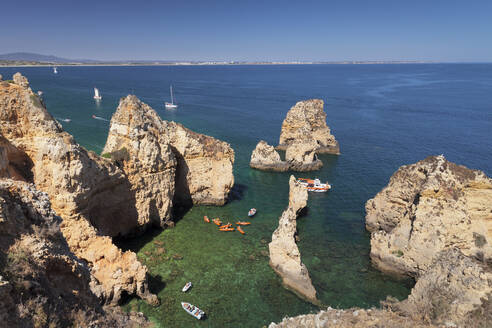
x=383, y=116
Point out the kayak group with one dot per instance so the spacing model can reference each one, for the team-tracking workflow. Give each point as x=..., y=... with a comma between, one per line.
x=228, y=226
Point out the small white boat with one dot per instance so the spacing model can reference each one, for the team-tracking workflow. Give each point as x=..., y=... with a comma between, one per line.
x=171, y=105
x=315, y=185
x=252, y=212
x=193, y=310
x=186, y=287
x=40, y=93
x=55, y=70
x=97, y=96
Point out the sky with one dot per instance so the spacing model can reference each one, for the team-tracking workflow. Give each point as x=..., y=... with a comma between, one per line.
x=267, y=30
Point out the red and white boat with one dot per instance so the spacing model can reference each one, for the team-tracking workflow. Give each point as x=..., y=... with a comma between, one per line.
x=315, y=185
x=193, y=310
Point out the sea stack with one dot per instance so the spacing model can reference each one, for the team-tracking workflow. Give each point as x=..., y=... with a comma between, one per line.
x=285, y=257
x=301, y=156
x=264, y=157
x=305, y=121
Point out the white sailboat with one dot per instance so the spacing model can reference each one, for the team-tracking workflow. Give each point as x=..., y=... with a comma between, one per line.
x=97, y=96
x=55, y=70
x=171, y=105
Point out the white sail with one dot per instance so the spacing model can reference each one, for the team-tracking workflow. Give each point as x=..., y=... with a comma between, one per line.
x=97, y=96
x=54, y=70
x=171, y=105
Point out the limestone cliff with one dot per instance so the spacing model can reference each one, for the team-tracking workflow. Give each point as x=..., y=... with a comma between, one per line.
x=157, y=149
x=307, y=120
x=285, y=257
x=204, y=173
x=265, y=157
x=432, y=222
x=301, y=155
x=428, y=207
x=42, y=283
x=92, y=195
x=138, y=144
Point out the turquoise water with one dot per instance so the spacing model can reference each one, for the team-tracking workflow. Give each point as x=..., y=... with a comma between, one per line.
x=384, y=116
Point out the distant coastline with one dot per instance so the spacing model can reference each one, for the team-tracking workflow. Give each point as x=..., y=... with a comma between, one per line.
x=18, y=63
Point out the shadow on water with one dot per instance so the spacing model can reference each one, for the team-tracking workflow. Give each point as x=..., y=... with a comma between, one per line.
x=237, y=192
x=136, y=243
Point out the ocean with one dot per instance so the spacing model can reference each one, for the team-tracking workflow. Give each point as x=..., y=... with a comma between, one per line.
x=383, y=116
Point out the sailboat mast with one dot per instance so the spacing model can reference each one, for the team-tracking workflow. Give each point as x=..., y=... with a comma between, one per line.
x=172, y=98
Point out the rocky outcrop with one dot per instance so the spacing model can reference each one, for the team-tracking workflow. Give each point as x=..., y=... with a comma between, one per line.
x=432, y=222
x=426, y=208
x=91, y=194
x=138, y=145
x=204, y=166
x=307, y=121
x=42, y=283
x=166, y=159
x=301, y=156
x=265, y=157
x=285, y=257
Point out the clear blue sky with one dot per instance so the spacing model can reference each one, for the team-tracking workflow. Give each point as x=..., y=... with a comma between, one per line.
x=250, y=30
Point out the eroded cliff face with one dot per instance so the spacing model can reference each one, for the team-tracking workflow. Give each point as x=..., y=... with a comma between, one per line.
x=42, y=283
x=92, y=195
x=432, y=222
x=301, y=155
x=265, y=157
x=137, y=143
x=159, y=151
x=306, y=120
x=285, y=257
x=204, y=173
x=428, y=207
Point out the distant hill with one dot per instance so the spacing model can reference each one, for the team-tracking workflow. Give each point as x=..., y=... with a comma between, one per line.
x=32, y=57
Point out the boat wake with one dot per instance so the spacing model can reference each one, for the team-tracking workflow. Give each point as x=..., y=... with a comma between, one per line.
x=99, y=118
x=63, y=119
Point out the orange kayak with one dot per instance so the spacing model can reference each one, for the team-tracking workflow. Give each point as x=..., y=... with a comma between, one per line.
x=226, y=229
x=228, y=225
x=206, y=219
x=243, y=223
x=217, y=221
x=240, y=230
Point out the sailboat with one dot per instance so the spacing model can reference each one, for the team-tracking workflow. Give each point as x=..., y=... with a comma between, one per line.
x=171, y=105
x=97, y=96
x=55, y=70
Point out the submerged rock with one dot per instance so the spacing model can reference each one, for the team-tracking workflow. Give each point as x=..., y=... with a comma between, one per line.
x=265, y=157
x=428, y=207
x=285, y=257
x=301, y=155
x=307, y=120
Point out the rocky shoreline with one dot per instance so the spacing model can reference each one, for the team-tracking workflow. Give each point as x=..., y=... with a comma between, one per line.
x=433, y=222
x=142, y=174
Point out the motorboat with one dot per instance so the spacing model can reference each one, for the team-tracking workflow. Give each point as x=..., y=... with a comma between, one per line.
x=314, y=185
x=187, y=286
x=252, y=212
x=193, y=310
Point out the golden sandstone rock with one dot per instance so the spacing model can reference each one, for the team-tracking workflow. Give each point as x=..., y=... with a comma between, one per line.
x=285, y=257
